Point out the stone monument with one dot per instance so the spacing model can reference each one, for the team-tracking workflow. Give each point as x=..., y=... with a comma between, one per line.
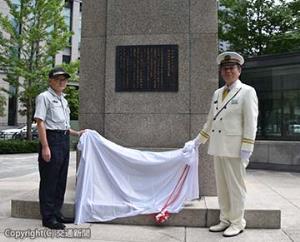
x=148, y=71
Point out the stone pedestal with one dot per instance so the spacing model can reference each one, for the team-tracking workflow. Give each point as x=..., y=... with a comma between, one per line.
x=150, y=119
x=199, y=213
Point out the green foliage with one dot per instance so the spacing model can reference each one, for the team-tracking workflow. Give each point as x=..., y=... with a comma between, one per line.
x=256, y=27
x=33, y=33
x=72, y=89
x=73, y=100
x=18, y=146
x=74, y=139
x=2, y=105
x=72, y=68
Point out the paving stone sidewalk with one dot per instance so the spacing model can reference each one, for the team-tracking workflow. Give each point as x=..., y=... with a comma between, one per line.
x=19, y=174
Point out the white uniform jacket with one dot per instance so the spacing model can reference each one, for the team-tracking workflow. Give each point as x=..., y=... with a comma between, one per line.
x=231, y=124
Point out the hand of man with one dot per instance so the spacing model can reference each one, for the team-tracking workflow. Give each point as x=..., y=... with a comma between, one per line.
x=188, y=146
x=80, y=132
x=197, y=141
x=191, y=144
x=46, y=153
x=245, y=155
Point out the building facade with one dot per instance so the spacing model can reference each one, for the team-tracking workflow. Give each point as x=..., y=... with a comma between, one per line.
x=276, y=79
x=72, y=14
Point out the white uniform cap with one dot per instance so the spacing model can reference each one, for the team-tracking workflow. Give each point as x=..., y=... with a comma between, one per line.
x=229, y=57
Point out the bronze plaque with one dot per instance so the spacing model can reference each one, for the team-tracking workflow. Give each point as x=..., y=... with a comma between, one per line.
x=147, y=68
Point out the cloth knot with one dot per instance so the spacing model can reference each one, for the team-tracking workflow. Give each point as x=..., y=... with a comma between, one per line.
x=162, y=217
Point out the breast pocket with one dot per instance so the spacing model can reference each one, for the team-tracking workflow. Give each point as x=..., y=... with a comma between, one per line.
x=234, y=106
x=57, y=113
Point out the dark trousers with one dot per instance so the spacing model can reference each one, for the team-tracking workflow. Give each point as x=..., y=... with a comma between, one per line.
x=53, y=174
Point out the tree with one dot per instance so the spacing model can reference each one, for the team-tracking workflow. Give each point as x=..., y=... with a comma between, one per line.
x=72, y=94
x=256, y=27
x=33, y=33
x=2, y=105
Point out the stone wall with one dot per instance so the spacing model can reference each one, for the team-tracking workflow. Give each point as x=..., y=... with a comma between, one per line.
x=276, y=155
x=150, y=119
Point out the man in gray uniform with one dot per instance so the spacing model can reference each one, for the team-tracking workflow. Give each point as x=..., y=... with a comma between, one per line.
x=53, y=122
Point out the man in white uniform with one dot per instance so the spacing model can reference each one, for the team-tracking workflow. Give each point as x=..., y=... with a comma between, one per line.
x=231, y=129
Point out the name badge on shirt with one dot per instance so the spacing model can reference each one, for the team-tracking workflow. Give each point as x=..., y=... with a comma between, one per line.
x=234, y=101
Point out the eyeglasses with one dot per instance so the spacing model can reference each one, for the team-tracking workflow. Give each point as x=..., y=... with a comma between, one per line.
x=61, y=79
x=228, y=68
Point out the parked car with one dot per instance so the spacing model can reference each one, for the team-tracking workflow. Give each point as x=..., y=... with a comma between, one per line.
x=294, y=128
x=18, y=133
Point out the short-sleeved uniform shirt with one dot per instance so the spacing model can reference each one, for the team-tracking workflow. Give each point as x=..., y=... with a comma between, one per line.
x=53, y=110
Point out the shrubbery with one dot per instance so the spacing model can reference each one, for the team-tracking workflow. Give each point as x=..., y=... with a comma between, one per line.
x=18, y=146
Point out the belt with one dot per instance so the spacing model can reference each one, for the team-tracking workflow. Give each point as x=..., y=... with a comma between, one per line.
x=58, y=131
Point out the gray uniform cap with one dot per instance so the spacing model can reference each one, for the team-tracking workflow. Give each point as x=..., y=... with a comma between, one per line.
x=56, y=71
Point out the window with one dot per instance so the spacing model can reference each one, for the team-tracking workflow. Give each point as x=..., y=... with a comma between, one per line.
x=66, y=59
x=68, y=9
x=278, y=91
x=79, y=29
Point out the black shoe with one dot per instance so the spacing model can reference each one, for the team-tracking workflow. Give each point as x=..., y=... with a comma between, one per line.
x=65, y=220
x=53, y=224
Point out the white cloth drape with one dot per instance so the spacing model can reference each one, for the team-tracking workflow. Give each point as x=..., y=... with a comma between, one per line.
x=114, y=181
